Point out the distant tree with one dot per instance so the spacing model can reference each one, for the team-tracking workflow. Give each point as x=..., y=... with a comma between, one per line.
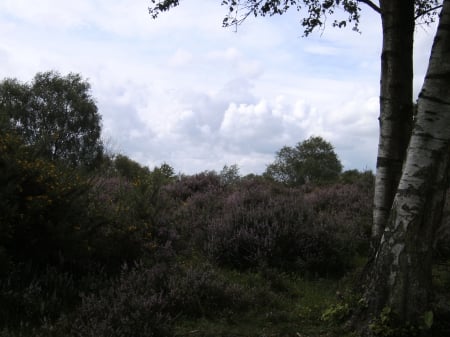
x=56, y=115
x=312, y=160
x=230, y=174
x=129, y=169
x=357, y=177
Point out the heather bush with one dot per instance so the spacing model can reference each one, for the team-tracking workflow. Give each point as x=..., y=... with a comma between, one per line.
x=202, y=291
x=31, y=297
x=145, y=301
x=189, y=186
x=134, y=305
x=195, y=201
x=257, y=223
x=264, y=225
x=344, y=211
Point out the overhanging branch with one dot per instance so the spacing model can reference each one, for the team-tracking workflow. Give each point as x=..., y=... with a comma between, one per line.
x=427, y=11
x=371, y=5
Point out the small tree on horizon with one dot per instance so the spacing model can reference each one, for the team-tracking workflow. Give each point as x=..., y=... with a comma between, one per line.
x=311, y=161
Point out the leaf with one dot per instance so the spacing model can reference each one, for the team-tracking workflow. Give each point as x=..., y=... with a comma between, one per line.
x=428, y=318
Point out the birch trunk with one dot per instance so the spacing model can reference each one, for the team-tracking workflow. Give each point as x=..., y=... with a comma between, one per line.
x=396, y=109
x=401, y=272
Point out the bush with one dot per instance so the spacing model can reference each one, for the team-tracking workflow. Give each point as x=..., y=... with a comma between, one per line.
x=202, y=291
x=134, y=305
x=264, y=225
x=145, y=301
x=343, y=211
x=31, y=297
x=259, y=223
x=43, y=206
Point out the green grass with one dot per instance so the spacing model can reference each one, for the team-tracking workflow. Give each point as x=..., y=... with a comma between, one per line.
x=285, y=305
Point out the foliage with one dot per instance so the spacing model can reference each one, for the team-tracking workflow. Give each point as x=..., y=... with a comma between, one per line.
x=317, y=11
x=336, y=312
x=344, y=210
x=134, y=305
x=128, y=204
x=28, y=296
x=230, y=175
x=258, y=223
x=56, y=114
x=144, y=301
x=128, y=168
x=42, y=206
x=310, y=161
x=258, y=226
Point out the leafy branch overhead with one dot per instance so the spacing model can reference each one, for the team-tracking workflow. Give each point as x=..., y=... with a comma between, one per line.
x=315, y=12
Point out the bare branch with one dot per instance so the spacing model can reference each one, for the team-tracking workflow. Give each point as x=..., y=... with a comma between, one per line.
x=371, y=5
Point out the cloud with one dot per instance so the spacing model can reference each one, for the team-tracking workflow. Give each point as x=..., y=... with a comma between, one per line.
x=183, y=90
x=180, y=58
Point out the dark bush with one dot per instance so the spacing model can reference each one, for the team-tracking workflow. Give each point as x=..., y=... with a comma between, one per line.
x=202, y=291
x=145, y=301
x=265, y=225
x=344, y=211
x=134, y=305
x=257, y=223
x=43, y=208
x=32, y=297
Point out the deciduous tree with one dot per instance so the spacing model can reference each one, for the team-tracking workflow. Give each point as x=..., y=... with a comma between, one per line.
x=56, y=115
x=400, y=279
x=312, y=160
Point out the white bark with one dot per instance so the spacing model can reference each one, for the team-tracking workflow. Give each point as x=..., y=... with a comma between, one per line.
x=395, y=106
x=401, y=275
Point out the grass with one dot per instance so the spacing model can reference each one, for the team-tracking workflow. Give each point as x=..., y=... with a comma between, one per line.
x=285, y=305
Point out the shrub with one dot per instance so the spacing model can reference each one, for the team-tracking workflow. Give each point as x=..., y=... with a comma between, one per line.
x=134, y=305
x=43, y=206
x=145, y=301
x=201, y=291
x=259, y=223
x=344, y=211
x=31, y=297
x=265, y=225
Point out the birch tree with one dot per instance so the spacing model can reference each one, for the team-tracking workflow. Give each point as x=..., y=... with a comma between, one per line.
x=56, y=115
x=400, y=279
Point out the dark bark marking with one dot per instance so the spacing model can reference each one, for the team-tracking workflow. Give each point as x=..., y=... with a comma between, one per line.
x=439, y=76
x=388, y=162
x=433, y=99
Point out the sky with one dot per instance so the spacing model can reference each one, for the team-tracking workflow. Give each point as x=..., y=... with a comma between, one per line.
x=184, y=91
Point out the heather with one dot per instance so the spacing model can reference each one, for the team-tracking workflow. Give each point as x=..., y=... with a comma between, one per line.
x=123, y=250
x=109, y=247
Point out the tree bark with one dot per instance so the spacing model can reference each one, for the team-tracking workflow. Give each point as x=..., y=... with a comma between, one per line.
x=396, y=109
x=400, y=278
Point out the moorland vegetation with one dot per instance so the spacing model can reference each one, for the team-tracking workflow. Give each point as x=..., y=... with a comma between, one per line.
x=96, y=244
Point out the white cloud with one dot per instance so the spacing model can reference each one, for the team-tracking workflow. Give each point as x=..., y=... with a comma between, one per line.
x=180, y=58
x=183, y=90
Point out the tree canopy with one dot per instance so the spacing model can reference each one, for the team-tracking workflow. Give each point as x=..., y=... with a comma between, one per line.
x=55, y=114
x=310, y=161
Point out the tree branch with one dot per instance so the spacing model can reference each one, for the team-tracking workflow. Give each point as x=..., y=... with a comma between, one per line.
x=371, y=5
x=427, y=11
